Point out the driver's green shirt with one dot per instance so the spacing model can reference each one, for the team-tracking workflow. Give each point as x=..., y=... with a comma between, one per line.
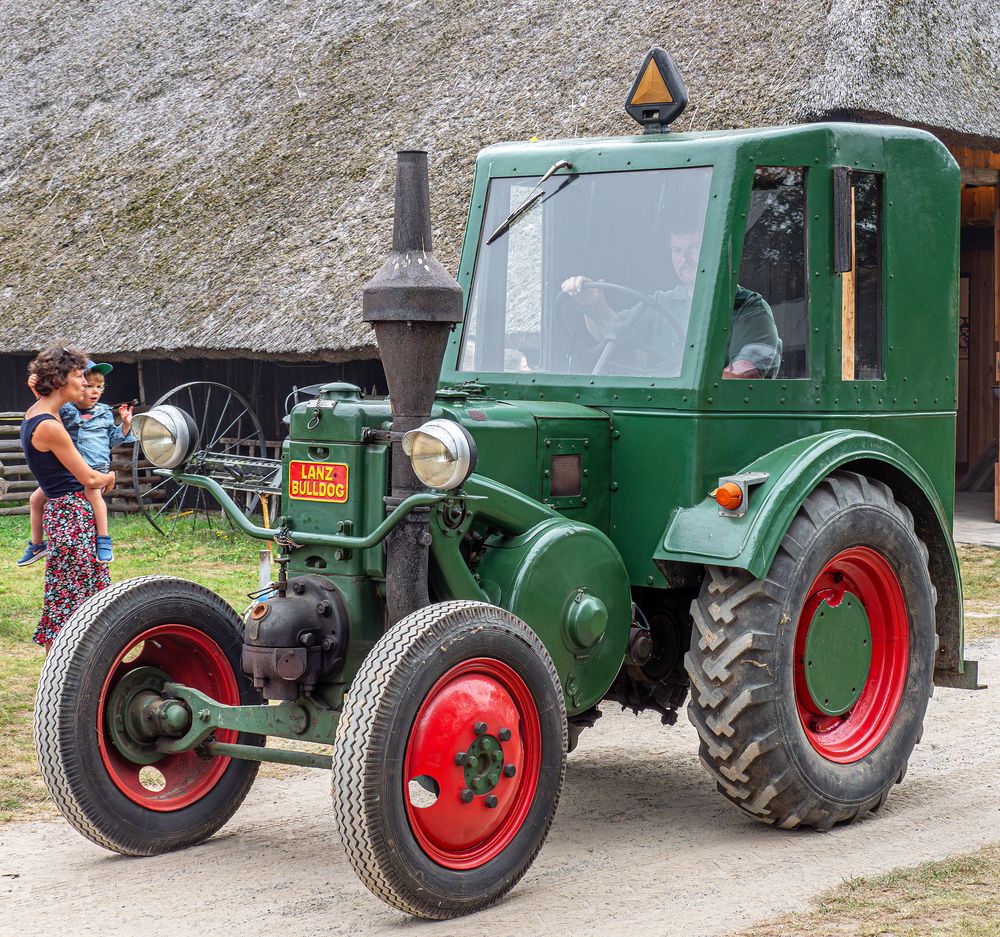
x=754, y=335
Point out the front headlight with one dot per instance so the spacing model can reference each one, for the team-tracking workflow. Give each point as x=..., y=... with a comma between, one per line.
x=167, y=435
x=442, y=453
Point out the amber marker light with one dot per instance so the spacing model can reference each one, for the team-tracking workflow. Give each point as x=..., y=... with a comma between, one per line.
x=729, y=496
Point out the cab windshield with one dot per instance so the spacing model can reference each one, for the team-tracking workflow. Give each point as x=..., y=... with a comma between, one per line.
x=595, y=277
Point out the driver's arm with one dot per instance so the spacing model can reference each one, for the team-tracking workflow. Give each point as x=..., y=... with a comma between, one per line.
x=754, y=348
x=596, y=309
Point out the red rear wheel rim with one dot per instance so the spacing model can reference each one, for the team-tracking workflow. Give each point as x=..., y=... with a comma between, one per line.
x=867, y=574
x=484, y=692
x=191, y=658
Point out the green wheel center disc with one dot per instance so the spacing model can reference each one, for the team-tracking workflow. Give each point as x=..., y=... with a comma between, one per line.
x=838, y=655
x=485, y=762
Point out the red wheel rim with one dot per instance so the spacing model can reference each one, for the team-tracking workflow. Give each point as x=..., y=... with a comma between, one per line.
x=192, y=659
x=868, y=575
x=465, y=834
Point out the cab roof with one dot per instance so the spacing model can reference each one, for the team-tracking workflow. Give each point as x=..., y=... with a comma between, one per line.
x=821, y=139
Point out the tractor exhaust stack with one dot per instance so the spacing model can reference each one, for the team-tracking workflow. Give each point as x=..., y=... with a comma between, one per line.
x=413, y=303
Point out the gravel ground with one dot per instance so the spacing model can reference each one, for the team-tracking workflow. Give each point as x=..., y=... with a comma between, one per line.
x=641, y=844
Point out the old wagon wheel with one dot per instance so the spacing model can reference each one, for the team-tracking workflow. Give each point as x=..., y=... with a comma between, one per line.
x=226, y=425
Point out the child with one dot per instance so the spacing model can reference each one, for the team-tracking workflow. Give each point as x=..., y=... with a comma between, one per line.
x=93, y=430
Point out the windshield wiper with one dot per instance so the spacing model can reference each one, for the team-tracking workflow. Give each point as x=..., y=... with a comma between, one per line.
x=529, y=200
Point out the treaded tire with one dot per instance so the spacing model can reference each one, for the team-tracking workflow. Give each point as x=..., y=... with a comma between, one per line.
x=403, y=669
x=68, y=701
x=743, y=702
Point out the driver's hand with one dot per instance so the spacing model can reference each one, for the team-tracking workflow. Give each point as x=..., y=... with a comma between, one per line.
x=741, y=370
x=573, y=287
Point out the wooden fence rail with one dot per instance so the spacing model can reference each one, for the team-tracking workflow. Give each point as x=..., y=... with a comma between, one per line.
x=20, y=482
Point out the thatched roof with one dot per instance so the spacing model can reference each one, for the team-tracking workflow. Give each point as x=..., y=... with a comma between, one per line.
x=216, y=177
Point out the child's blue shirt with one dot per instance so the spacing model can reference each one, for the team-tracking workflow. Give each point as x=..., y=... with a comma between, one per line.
x=94, y=432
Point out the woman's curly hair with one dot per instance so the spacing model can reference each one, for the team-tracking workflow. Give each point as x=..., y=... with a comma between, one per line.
x=53, y=366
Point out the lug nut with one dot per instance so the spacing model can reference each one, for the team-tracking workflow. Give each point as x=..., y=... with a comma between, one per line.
x=461, y=758
x=497, y=756
x=466, y=796
x=491, y=801
x=509, y=771
x=479, y=728
x=504, y=735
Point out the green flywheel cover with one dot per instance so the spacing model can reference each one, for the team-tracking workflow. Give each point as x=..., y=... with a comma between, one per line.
x=838, y=654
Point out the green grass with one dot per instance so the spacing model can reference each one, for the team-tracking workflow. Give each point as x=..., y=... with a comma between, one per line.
x=225, y=563
x=957, y=897
x=980, y=590
x=22, y=795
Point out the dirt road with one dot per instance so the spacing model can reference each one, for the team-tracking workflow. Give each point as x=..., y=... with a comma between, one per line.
x=641, y=844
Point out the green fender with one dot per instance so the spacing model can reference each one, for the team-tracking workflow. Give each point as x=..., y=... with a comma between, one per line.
x=699, y=534
x=563, y=577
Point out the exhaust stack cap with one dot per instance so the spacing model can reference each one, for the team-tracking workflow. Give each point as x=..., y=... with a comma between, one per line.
x=412, y=285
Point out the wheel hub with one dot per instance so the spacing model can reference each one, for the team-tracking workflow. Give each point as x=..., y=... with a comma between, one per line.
x=132, y=714
x=137, y=714
x=472, y=763
x=851, y=655
x=838, y=653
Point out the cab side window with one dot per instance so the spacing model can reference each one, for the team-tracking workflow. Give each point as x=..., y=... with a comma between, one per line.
x=769, y=335
x=861, y=287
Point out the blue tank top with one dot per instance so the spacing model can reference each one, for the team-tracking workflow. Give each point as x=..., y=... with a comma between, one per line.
x=52, y=476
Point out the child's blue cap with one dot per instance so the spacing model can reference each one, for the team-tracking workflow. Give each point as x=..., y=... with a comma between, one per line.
x=104, y=369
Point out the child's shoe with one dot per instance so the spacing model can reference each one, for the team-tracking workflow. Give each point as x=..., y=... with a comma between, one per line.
x=34, y=553
x=105, y=554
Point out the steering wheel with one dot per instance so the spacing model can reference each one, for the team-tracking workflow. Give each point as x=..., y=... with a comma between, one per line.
x=608, y=344
x=645, y=299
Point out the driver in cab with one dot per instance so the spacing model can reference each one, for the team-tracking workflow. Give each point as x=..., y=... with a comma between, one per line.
x=754, y=349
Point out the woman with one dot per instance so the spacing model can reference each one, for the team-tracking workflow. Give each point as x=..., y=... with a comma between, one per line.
x=72, y=572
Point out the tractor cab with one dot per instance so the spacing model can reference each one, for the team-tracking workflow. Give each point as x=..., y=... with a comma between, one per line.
x=674, y=262
x=694, y=308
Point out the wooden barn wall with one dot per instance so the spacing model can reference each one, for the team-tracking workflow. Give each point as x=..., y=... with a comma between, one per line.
x=969, y=158
x=977, y=264
x=265, y=384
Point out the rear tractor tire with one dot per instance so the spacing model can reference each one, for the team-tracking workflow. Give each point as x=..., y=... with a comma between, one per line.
x=112, y=786
x=809, y=687
x=449, y=759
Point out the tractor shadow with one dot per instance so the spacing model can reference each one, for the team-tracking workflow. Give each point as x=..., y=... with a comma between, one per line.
x=616, y=794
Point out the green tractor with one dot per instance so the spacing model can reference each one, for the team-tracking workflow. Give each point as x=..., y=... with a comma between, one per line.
x=683, y=431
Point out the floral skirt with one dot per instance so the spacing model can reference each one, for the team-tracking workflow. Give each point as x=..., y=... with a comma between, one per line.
x=72, y=572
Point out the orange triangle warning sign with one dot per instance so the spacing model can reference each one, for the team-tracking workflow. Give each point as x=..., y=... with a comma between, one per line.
x=651, y=89
x=658, y=95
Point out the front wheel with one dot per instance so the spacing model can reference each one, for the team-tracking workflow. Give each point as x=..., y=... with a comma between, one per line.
x=449, y=759
x=809, y=687
x=104, y=773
